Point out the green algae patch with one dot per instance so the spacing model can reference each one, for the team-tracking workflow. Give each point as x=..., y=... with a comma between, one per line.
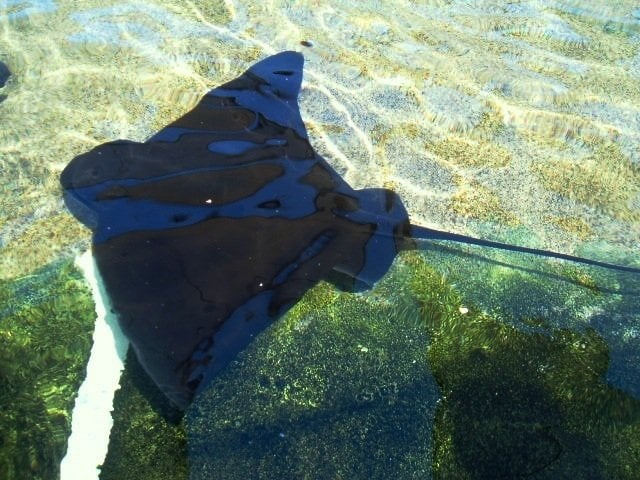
x=470, y=153
x=531, y=404
x=479, y=148
x=606, y=180
x=574, y=225
x=217, y=12
x=473, y=200
x=20, y=258
x=46, y=324
x=147, y=441
x=599, y=44
x=339, y=388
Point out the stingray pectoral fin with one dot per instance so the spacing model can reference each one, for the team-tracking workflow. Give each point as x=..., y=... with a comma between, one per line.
x=102, y=163
x=235, y=334
x=312, y=264
x=423, y=233
x=375, y=254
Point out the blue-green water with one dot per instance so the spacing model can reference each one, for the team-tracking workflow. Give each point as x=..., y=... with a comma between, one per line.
x=515, y=122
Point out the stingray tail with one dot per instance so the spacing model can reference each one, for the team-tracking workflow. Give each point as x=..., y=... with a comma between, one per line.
x=423, y=233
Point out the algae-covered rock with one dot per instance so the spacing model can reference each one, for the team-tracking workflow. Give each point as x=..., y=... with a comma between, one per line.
x=339, y=388
x=527, y=402
x=46, y=322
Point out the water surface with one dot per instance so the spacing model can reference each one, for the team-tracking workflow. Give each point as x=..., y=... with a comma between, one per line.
x=515, y=122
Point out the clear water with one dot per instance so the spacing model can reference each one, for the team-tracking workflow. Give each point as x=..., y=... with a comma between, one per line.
x=510, y=121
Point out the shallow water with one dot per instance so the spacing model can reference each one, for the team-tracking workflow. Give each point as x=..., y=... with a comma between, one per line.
x=516, y=122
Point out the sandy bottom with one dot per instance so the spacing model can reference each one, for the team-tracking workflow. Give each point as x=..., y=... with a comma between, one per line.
x=512, y=122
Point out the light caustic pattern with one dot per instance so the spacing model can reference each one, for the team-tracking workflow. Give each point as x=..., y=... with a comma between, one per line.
x=514, y=122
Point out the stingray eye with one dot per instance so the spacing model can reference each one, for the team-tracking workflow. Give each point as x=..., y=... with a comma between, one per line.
x=270, y=204
x=94, y=173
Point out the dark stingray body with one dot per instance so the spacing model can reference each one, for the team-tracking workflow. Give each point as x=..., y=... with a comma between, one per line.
x=216, y=225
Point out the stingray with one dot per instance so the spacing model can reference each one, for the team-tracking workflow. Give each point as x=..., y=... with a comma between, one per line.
x=216, y=225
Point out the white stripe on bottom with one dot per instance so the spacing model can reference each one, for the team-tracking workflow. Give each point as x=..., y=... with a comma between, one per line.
x=91, y=418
